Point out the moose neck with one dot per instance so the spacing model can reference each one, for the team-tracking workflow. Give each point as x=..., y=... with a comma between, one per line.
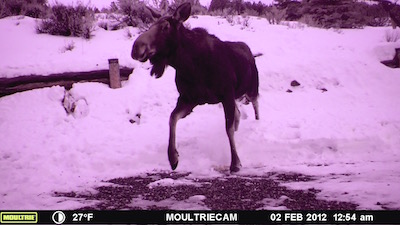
x=185, y=48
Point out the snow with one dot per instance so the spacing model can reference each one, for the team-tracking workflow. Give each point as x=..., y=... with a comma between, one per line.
x=22, y=38
x=274, y=204
x=171, y=182
x=348, y=136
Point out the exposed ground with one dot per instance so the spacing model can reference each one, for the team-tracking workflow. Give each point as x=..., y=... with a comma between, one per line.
x=231, y=192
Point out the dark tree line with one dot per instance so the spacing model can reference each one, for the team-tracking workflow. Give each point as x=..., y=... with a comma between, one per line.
x=321, y=13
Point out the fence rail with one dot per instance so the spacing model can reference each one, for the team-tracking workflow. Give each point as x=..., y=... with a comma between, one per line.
x=10, y=86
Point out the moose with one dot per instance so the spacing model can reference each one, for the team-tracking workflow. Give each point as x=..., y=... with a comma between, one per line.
x=208, y=70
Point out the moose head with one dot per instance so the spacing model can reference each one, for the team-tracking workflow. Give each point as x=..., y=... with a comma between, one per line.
x=160, y=40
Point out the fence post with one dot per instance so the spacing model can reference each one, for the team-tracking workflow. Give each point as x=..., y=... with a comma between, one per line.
x=115, y=79
x=397, y=56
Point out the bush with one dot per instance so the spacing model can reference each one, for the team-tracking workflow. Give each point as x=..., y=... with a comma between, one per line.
x=113, y=21
x=376, y=15
x=169, y=8
x=68, y=47
x=69, y=21
x=135, y=12
x=274, y=15
x=31, y=8
x=35, y=11
x=198, y=9
x=319, y=13
x=13, y=7
x=342, y=14
x=255, y=9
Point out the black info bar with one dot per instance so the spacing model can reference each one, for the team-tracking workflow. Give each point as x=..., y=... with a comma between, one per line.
x=201, y=217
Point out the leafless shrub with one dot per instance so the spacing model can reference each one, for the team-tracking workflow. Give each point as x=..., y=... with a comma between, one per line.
x=68, y=47
x=275, y=16
x=75, y=21
x=103, y=24
x=392, y=35
x=294, y=25
x=245, y=21
x=230, y=19
x=309, y=20
x=128, y=33
x=31, y=8
x=135, y=13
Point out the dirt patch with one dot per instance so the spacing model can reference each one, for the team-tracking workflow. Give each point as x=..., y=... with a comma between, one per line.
x=224, y=193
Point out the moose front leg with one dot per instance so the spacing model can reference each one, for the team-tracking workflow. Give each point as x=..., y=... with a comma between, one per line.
x=232, y=120
x=181, y=110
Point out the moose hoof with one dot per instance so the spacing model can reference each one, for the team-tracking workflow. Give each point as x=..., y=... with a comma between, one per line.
x=173, y=166
x=173, y=159
x=236, y=168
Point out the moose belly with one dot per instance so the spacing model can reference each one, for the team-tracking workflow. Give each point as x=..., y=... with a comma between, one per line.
x=197, y=94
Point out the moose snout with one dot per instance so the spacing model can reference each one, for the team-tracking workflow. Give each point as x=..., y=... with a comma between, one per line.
x=139, y=51
x=144, y=47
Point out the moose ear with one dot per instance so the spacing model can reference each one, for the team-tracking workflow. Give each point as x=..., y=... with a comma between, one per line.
x=183, y=11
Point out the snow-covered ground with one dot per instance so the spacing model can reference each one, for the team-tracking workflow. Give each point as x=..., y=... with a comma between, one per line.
x=347, y=136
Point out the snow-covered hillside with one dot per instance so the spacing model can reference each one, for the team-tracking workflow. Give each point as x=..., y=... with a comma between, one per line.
x=341, y=124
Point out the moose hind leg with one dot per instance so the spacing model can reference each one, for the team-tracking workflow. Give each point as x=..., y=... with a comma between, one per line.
x=237, y=118
x=254, y=102
x=181, y=110
x=230, y=111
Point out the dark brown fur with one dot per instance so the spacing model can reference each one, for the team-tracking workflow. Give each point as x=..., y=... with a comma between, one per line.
x=208, y=70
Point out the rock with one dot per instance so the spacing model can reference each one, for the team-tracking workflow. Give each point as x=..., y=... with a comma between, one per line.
x=323, y=89
x=136, y=119
x=289, y=91
x=68, y=102
x=77, y=107
x=294, y=83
